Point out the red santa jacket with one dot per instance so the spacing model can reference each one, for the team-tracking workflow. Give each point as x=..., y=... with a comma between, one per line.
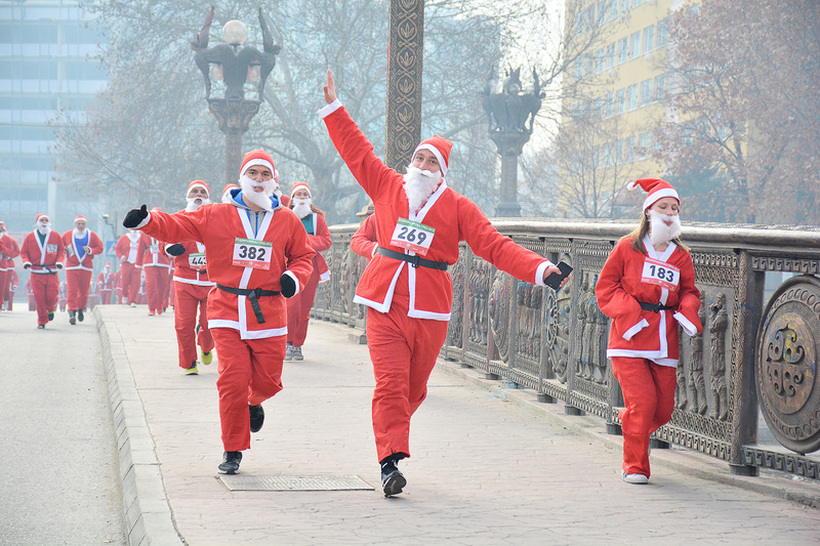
x=630, y=277
x=454, y=218
x=72, y=250
x=126, y=248
x=9, y=249
x=191, y=266
x=43, y=257
x=106, y=280
x=319, y=240
x=364, y=241
x=151, y=253
x=245, y=250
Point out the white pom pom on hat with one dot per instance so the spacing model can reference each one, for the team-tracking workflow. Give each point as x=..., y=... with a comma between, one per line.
x=656, y=188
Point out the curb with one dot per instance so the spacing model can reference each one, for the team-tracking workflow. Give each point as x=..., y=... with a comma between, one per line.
x=146, y=511
x=677, y=458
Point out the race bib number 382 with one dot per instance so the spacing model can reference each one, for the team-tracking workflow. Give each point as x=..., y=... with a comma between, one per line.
x=252, y=253
x=661, y=273
x=413, y=236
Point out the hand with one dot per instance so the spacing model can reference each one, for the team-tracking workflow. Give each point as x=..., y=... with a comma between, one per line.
x=59, y=265
x=87, y=249
x=26, y=266
x=175, y=250
x=329, y=88
x=134, y=217
x=554, y=269
x=288, y=285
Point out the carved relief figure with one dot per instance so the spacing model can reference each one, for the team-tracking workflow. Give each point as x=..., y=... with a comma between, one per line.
x=697, y=386
x=718, y=325
x=680, y=390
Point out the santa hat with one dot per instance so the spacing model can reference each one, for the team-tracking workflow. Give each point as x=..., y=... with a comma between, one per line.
x=80, y=217
x=656, y=188
x=440, y=147
x=198, y=184
x=257, y=157
x=300, y=186
x=228, y=188
x=107, y=264
x=42, y=215
x=2, y=223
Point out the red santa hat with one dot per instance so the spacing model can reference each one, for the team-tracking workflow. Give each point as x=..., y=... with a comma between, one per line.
x=198, y=184
x=228, y=188
x=440, y=147
x=2, y=223
x=656, y=188
x=42, y=215
x=257, y=157
x=80, y=217
x=107, y=264
x=300, y=186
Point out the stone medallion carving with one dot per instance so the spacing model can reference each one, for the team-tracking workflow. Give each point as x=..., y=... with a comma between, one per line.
x=788, y=343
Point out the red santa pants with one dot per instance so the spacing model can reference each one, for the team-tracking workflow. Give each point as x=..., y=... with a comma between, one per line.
x=250, y=372
x=105, y=296
x=130, y=281
x=649, y=397
x=5, y=278
x=404, y=351
x=187, y=298
x=156, y=281
x=299, y=310
x=46, y=289
x=77, y=283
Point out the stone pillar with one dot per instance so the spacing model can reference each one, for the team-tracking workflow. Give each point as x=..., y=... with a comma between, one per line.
x=234, y=116
x=404, y=70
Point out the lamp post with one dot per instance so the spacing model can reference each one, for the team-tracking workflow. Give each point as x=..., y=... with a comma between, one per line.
x=511, y=113
x=235, y=64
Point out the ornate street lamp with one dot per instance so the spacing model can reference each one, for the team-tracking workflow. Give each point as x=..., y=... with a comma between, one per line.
x=235, y=64
x=511, y=113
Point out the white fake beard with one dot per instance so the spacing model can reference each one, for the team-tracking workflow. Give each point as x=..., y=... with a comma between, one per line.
x=43, y=229
x=301, y=207
x=260, y=199
x=133, y=235
x=193, y=205
x=661, y=232
x=80, y=234
x=419, y=186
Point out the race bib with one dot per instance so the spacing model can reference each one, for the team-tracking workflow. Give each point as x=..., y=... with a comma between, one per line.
x=413, y=236
x=70, y=250
x=660, y=273
x=252, y=253
x=196, y=260
x=154, y=248
x=51, y=248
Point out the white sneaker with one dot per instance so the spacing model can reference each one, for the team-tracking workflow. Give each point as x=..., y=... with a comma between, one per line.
x=635, y=478
x=288, y=352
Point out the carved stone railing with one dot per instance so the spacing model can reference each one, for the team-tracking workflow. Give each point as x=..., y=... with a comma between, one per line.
x=749, y=359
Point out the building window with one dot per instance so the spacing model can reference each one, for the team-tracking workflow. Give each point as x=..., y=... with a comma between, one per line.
x=663, y=33
x=611, y=10
x=648, y=39
x=601, y=12
x=618, y=152
x=599, y=61
x=644, y=141
x=631, y=97
x=607, y=106
x=646, y=92
x=623, y=50
x=629, y=149
x=660, y=87
x=619, y=106
x=635, y=44
x=610, y=55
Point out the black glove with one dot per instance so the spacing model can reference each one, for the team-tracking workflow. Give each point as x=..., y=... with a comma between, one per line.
x=134, y=217
x=59, y=265
x=175, y=250
x=26, y=266
x=288, y=285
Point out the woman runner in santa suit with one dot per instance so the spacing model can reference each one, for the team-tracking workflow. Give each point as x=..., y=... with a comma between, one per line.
x=299, y=306
x=647, y=287
x=81, y=245
x=257, y=253
x=420, y=222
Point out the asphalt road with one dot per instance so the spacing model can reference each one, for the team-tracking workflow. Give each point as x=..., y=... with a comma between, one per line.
x=58, y=472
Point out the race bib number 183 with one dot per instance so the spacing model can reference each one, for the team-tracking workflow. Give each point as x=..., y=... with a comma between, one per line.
x=252, y=253
x=661, y=273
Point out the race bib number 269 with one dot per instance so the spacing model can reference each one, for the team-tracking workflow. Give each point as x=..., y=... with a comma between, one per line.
x=413, y=236
x=252, y=253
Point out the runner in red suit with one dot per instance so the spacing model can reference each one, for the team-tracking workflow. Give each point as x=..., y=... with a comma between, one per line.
x=43, y=254
x=153, y=260
x=106, y=283
x=9, y=249
x=419, y=223
x=130, y=272
x=257, y=252
x=81, y=245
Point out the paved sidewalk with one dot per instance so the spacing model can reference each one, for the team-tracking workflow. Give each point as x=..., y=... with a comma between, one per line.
x=489, y=465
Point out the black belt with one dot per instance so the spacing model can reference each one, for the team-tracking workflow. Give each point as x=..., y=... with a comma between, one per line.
x=656, y=307
x=414, y=260
x=252, y=294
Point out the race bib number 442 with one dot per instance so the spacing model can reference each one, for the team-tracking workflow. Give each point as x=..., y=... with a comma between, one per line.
x=252, y=253
x=661, y=273
x=413, y=236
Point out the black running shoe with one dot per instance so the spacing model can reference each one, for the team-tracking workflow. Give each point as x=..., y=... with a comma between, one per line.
x=230, y=462
x=393, y=481
x=80, y=316
x=257, y=414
